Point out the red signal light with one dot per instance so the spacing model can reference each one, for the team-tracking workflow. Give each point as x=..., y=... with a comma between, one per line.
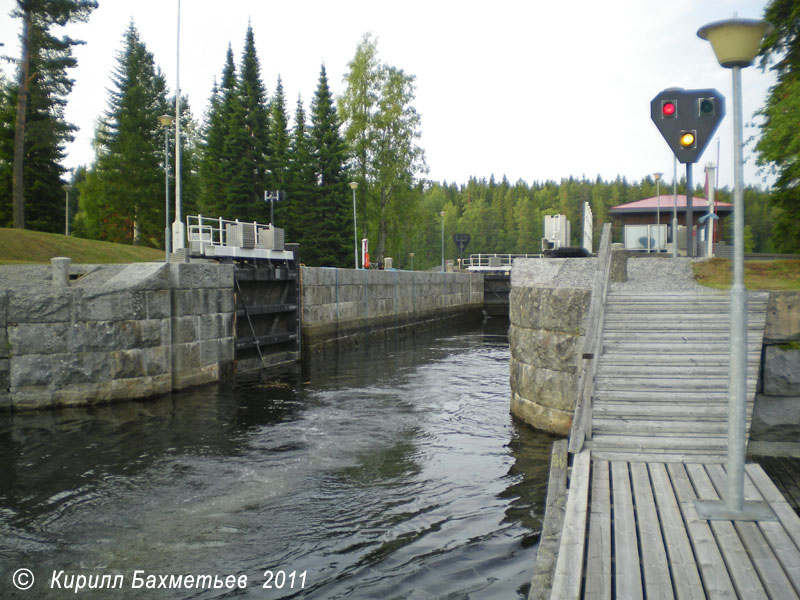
x=668, y=108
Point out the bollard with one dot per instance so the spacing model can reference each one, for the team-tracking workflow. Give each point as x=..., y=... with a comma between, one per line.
x=387, y=263
x=60, y=271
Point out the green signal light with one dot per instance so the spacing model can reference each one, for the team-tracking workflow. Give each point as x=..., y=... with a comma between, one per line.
x=707, y=107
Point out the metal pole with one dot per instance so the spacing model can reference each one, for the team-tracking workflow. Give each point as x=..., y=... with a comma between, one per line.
x=710, y=230
x=178, y=229
x=738, y=312
x=355, y=233
x=658, y=215
x=66, y=212
x=166, y=191
x=442, y=215
x=689, y=214
x=675, y=208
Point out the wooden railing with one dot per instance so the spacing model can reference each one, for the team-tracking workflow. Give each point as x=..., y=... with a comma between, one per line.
x=582, y=420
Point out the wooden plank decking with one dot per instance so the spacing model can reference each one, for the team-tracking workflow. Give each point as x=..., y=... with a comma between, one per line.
x=631, y=531
x=649, y=439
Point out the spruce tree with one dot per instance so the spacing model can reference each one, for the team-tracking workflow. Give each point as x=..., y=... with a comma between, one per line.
x=213, y=163
x=255, y=145
x=237, y=167
x=8, y=109
x=278, y=139
x=280, y=143
x=301, y=183
x=123, y=196
x=330, y=201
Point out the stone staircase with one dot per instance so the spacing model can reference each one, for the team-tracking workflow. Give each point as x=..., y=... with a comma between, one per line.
x=661, y=388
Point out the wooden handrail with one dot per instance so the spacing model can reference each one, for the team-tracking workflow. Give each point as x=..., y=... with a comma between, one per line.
x=581, y=429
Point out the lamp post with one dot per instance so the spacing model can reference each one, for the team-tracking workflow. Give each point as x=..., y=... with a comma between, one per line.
x=441, y=214
x=178, y=230
x=736, y=43
x=658, y=210
x=711, y=170
x=67, y=189
x=166, y=123
x=353, y=186
x=411, y=254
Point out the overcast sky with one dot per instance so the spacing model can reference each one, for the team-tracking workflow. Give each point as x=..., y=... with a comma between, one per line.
x=534, y=89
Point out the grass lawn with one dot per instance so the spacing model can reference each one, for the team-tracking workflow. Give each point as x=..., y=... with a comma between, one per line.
x=21, y=246
x=758, y=274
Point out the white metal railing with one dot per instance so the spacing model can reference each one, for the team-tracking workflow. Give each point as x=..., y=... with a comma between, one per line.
x=210, y=231
x=483, y=260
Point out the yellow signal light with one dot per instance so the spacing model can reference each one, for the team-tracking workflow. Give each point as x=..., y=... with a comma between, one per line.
x=687, y=139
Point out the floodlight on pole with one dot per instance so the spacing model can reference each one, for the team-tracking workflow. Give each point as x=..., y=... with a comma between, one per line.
x=736, y=43
x=166, y=123
x=353, y=186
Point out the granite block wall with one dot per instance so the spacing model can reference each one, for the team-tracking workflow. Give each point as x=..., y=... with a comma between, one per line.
x=117, y=333
x=338, y=303
x=548, y=309
x=776, y=414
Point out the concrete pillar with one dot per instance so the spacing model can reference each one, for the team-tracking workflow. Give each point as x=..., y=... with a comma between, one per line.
x=60, y=266
x=619, y=264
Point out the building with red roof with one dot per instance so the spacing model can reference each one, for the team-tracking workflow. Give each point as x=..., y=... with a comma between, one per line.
x=644, y=212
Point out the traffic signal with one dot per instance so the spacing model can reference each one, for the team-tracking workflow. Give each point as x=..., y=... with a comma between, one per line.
x=687, y=119
x=688, y=139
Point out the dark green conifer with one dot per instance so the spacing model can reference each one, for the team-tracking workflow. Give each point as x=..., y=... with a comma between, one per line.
x=212, y=165
x=122, y=199
x=301, y=183
x=255, y=144
x=329, y=204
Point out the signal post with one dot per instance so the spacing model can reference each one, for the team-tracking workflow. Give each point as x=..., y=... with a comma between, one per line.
x=687, y=119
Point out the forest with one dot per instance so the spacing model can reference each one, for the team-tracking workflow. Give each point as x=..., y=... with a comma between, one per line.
x=248, y=142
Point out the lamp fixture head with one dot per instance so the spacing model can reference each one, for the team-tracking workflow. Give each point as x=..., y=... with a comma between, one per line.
x=735, y=41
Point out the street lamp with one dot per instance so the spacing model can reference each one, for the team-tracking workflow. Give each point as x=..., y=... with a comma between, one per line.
x=353, y=186
x=441, y=214
x=166, y=123
x=411, y=254
x=658, y=213
x=736, y=43
x=178, y=229
x=67, y=190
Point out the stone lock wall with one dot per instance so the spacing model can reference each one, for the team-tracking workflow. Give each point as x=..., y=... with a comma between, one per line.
x=776, y=415
x=119, y=332
x=340, y=304
x=549, y=306
x=202, y=321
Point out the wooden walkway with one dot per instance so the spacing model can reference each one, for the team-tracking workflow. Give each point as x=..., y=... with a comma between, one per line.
x=631, y=531
x=649, y=442
x=661, y=386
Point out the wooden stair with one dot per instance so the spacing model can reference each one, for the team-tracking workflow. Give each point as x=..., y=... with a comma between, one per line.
x=661, y=387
